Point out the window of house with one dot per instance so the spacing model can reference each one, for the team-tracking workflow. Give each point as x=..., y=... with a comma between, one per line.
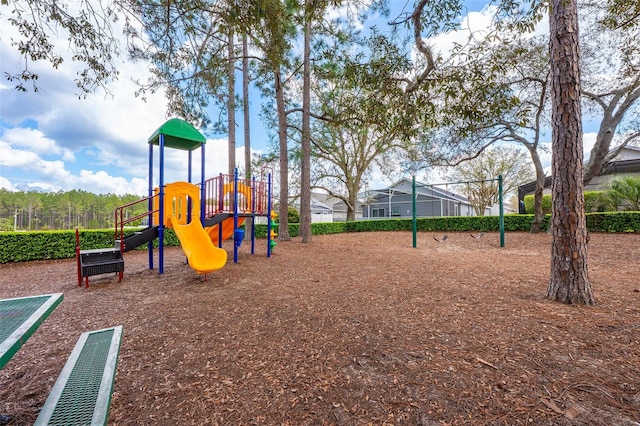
x=395, y=211
x=377, y=212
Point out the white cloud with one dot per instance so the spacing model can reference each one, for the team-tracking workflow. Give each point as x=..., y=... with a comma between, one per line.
x=34, y=140
x=101, y=182
x=44, y=186
x=54, y=170
x=30, y=162
x=4, y=183
x=11, y=157
x=350, y=11
x=44, y=136
x=588, y=141
x=474, y=26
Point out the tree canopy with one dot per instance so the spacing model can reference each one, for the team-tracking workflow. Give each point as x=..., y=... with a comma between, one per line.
x=508, y=161
x=60, y=210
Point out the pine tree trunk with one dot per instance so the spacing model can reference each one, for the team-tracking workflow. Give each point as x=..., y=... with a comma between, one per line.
x=247, y=128
x=569, y=279
x=283, y=211
x=305, y=181
x=231, y=104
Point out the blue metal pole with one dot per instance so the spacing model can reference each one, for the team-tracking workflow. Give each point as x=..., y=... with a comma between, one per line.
x=220, y=206
x=150, y=204
x=253, y=213
x=269, y=215
x=161, y=208
x=189, y=177
x=203, y=201
x=235, y=215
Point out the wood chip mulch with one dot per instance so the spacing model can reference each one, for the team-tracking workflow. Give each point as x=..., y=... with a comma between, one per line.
x=353, y=329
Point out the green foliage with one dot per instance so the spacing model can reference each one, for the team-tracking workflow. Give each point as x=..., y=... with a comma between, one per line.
x=596, y=222
x=63, y=210
x=379, y=225
x=546, y=204
x=625, y=192
x=482, y=190
x=91, y=41
x=20, y=246
x=261, y=230
x=596, y=201
x=622, y=14
x=24, y=246
x=38, y=245
x=522, y=222
x=623, y=195
x=6, y=224
x=293, y=215
x=614, y=222
x=328, y=228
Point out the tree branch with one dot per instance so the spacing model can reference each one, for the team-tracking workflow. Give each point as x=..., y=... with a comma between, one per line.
x=422, y=47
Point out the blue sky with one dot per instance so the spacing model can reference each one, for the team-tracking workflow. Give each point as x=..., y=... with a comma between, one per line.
x=52, y=141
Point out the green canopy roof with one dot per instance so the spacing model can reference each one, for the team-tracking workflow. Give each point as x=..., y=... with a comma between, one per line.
x=178, y=134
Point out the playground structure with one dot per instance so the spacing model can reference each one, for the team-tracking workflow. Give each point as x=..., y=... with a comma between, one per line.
x=201, y=215
x=414, y=223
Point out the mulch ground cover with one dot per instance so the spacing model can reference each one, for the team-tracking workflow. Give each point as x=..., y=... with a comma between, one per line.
x=352, y=329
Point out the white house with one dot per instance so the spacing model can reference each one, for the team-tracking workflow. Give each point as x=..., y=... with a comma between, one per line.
x=431, y=201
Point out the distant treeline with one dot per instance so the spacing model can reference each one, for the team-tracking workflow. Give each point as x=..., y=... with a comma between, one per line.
x=29, y=211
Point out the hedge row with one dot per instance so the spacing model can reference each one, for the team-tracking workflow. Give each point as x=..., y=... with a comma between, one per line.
x=22, y=246
x=593, y=201
x=38, y=245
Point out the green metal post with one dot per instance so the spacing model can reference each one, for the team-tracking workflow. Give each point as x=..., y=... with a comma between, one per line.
x=501, y=211
x=414, y=225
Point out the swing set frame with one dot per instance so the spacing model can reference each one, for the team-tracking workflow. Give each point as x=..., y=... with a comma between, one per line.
x=414, y=224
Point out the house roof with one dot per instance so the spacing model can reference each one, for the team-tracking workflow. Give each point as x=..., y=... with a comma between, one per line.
x=617, y=167
x=531, y=186
x=404, y=186
x=611, y=168
x=318, y=205
x=633, y=148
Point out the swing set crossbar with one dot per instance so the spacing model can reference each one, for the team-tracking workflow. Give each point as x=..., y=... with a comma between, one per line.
x=466, y=182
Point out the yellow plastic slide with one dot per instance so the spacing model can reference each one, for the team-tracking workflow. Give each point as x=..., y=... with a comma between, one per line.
x=202, y=255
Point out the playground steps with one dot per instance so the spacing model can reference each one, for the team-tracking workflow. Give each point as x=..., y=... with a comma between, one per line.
x=138, y=238
x=100, y=261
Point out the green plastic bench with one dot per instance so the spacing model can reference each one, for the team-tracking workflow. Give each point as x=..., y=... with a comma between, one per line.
x=82, y=393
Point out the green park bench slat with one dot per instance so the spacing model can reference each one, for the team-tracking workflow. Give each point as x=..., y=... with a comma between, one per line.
x=82, y=393
x=20, y=318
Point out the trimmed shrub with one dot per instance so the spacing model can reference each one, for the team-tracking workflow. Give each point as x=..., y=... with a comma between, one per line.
x=546, y=204
x=614, y=222
x=23, y=246
x=594, y=201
